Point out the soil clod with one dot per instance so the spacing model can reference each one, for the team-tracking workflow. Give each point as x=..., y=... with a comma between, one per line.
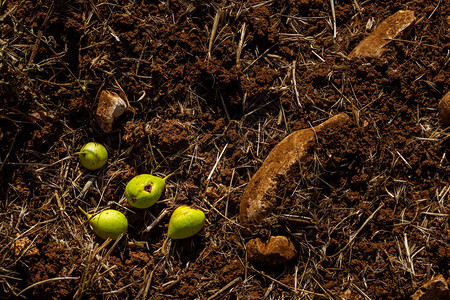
x=277, y=250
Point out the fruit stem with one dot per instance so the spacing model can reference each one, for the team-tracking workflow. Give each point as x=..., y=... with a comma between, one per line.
x=82, y=152
x=163, y=248
x=170, y=175
x=85, y=213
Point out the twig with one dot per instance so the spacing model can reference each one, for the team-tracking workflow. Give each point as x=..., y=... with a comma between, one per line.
x=9, y=152
x=287, y=286
x=353, y=236
x=45, y=281
x=214, y=31
x=11, y=11
x=412, y=42
x=294, y=63
x=333, y=12
x=408, y=257
x=217, y=162
x=361, y=292
x=264, y=53
x=240, y=45
x=230, y=285
x=153, y=224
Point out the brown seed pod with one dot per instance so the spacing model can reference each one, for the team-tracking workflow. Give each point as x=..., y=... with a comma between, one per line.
x=444, y=108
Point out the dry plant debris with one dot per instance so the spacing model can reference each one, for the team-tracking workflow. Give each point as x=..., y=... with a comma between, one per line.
x=396, y=26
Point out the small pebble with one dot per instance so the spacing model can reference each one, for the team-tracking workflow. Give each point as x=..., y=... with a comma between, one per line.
x=110, y=107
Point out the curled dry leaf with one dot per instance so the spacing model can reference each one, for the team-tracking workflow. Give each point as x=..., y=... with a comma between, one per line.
x=110, y=107
x=256, y=203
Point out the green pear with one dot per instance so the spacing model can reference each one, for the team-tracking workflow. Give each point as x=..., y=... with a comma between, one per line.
x=185, y=222
x=109, y=223
x=93, y=156
x=144, y=190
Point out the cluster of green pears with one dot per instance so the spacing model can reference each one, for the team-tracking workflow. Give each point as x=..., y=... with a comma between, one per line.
x=141, y=192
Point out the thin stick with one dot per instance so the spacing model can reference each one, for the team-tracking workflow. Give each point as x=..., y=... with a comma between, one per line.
x=294, y=63
x=408, y=256
x=212, y=172
x=353, y=236
x=361, y=292
x=264, y=53
x=45, y=281
x=333, y=12
x=217, y=162
x=287, y=286
x=230, y=285
x=153, y=224
x=214, y=31
x=240, y=45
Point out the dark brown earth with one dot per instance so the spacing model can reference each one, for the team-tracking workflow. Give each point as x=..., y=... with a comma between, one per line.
x=389, y=167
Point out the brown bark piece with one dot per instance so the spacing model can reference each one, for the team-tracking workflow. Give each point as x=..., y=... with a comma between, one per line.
x=435, y=289
x=277, y=250
x=255, y=205
x=444, y=108
x=110, y=107
x=395, y=26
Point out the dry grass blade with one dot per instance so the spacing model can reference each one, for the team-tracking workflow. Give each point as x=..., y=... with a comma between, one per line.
x=353, y=236
x=45, y=281
x=214, y=31
x=333, y=12
x=240, y=45
x=227, y=287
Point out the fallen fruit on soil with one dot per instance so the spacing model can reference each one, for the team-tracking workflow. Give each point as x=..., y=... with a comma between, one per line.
x=185, y=222
x=144, y=190
x=258, y=199
x=93, y=156
x=109, y=223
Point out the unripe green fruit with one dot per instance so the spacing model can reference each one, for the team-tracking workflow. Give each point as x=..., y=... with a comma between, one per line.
x=93, y=156
x=185, y=222
x=144, y=190
x=109, y=223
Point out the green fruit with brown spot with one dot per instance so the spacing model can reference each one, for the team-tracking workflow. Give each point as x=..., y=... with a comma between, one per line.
x=185, y=222
x=144, y=190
